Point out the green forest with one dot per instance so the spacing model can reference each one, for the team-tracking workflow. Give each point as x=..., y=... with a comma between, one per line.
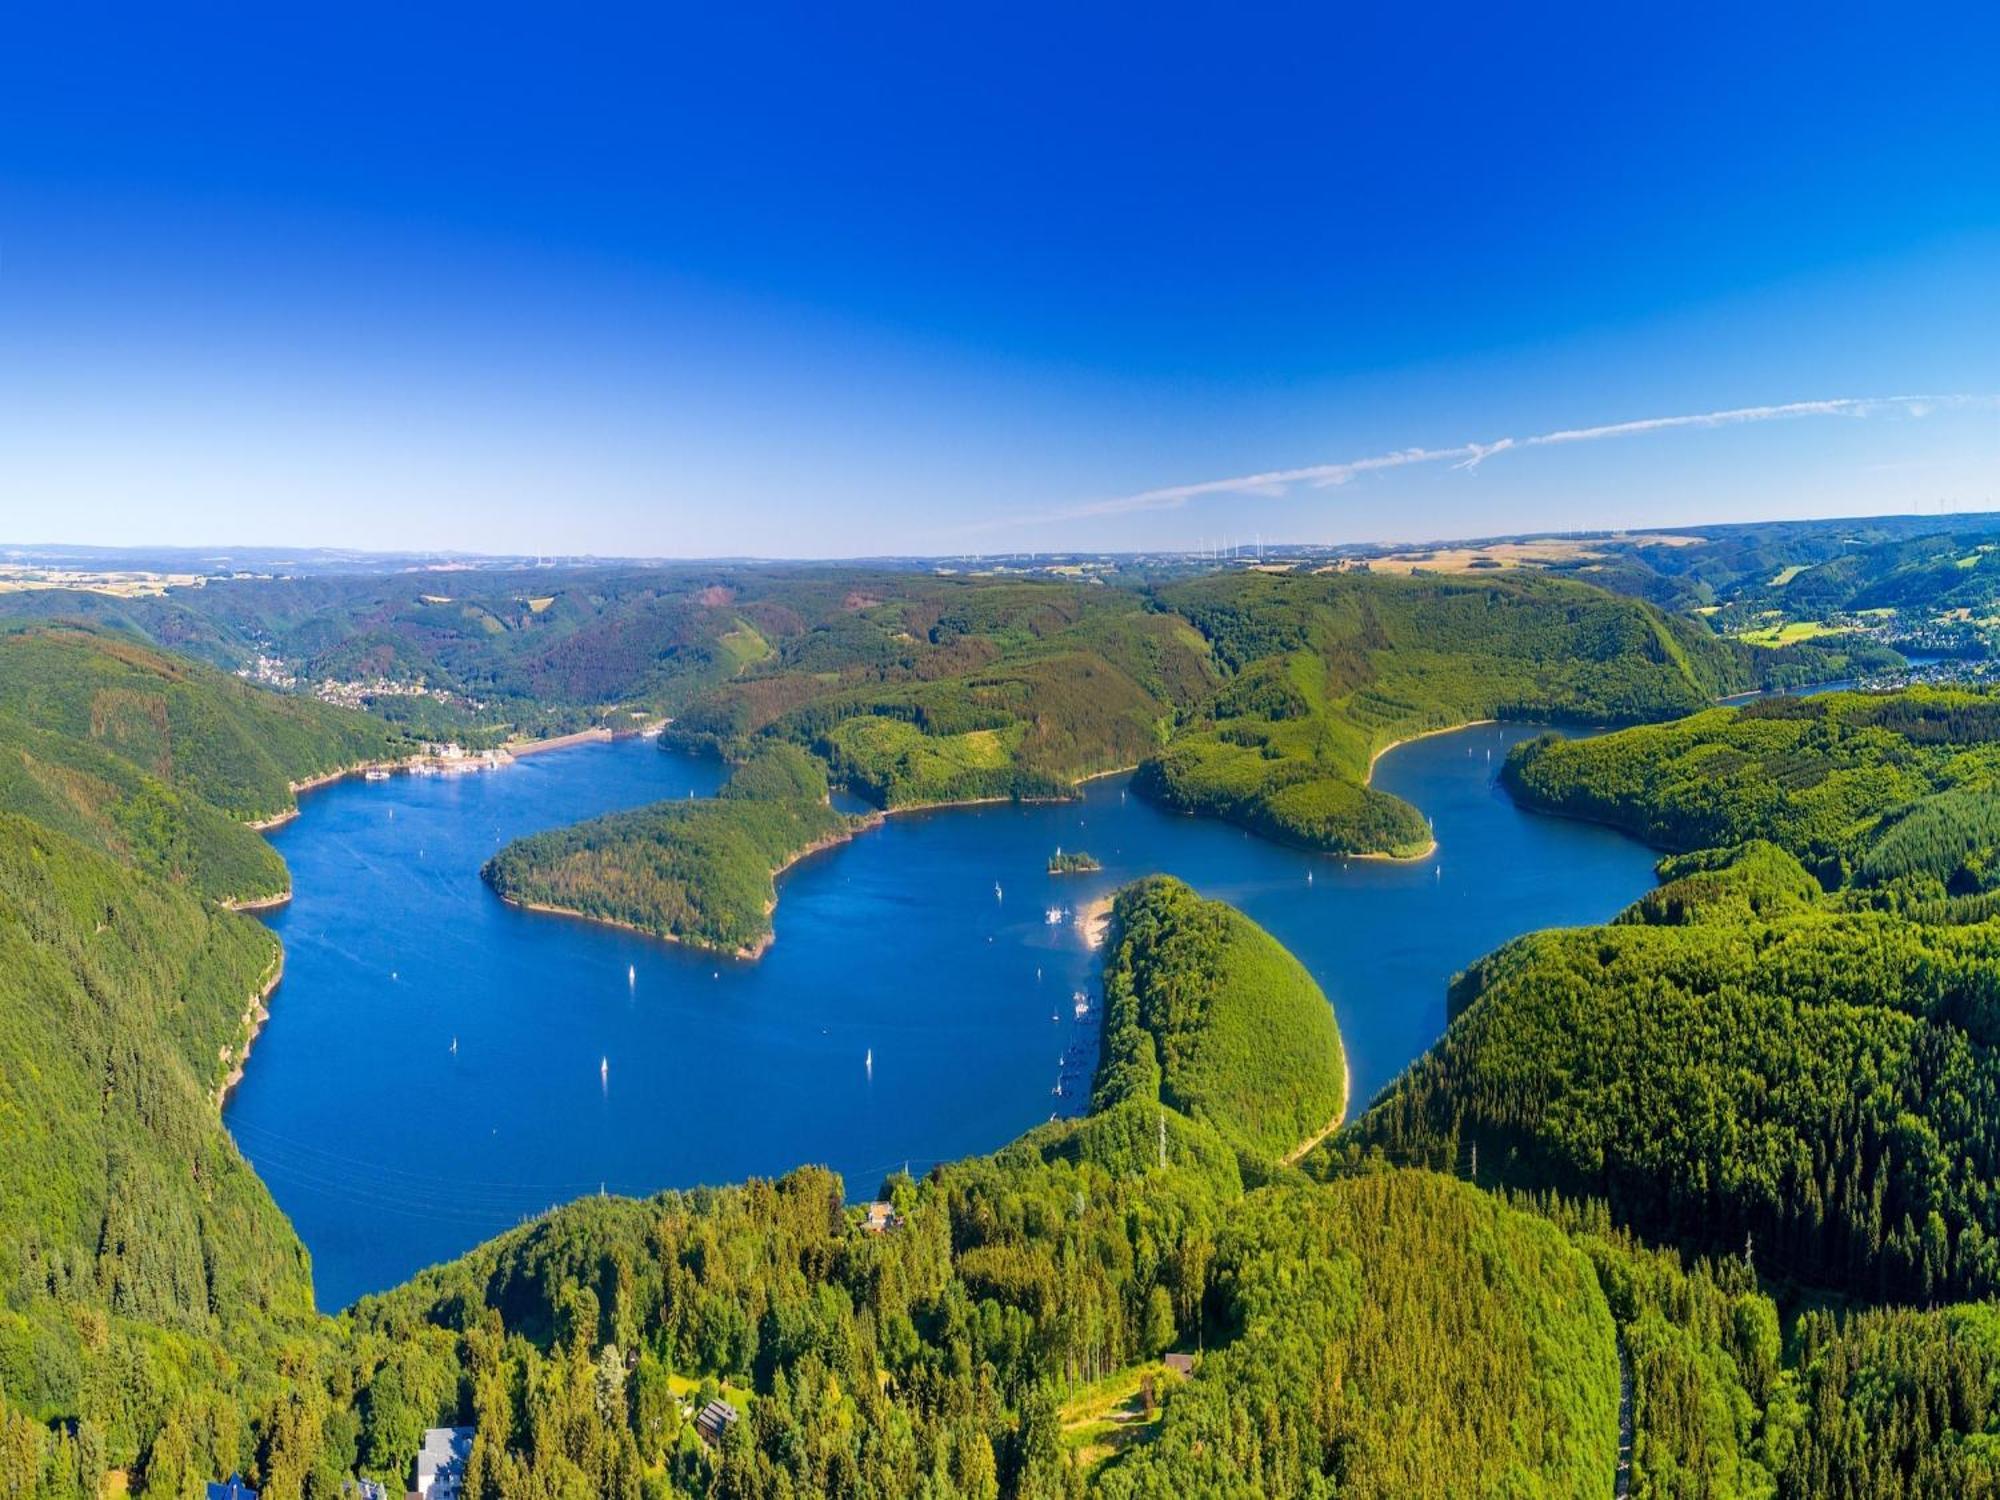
x=700, y=871
x=1327, y=671
x=1712, y=1186
x=1887, y=789
x=1205, y=1012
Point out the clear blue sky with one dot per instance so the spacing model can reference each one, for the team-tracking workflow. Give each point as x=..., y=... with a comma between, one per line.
x=862, y=279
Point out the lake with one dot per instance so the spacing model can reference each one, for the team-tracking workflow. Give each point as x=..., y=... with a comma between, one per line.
x=438, y=1065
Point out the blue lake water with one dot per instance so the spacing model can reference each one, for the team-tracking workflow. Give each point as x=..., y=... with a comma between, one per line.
x=438, y=1065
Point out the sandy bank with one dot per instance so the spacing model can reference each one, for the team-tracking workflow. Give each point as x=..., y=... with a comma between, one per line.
x=1299, y=1152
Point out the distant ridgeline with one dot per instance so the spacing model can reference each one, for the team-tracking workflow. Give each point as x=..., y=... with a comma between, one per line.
x=1148, y=1301
x=1252, y=696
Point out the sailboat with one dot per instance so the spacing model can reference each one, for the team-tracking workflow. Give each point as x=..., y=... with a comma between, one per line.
x=454, y=1046
x=996, y=890
x=604, y=1071
x=868, y=1062
x=631, y=973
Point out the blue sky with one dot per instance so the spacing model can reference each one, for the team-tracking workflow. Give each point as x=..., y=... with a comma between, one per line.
x=928, y=279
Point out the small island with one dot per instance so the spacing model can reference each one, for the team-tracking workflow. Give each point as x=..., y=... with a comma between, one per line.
x=1074, y=863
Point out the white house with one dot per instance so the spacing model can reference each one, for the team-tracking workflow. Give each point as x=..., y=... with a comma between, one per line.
x=441, y=1463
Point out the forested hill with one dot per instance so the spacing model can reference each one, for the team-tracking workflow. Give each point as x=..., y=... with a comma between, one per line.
x=699, y=871
x=196, y=730
x=142, y=1264
x=1256, y=696
x=158, y=761
x=1891, y=790
x=1206, y=1012
x=1744, y=1054
x=1327, y=670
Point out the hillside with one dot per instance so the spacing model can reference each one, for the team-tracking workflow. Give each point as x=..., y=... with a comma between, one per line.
x=1205, y=1012
x=1883, y=787
x=1742, y=1053
x=700, y=871
x=918, y=689
x=159, y=761
x=196, y=730
x=141, y=1261
x=1327, y=671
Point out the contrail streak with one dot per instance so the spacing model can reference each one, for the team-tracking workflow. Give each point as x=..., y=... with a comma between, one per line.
x=1276, y=483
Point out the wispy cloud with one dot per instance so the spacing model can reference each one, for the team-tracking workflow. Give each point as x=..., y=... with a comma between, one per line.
x=1278, y=483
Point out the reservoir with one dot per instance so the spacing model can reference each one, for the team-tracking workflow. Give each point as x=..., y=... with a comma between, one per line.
x=438, y=1066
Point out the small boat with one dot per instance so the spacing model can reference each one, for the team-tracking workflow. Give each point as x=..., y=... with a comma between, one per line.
x=996, y=890
x=1082, y=1005
x=604, y=1071
x=1054, y=916
x=868, y=1062
x=375, y=773
x=454, y=1046
x=631, y=973
x=1309, y=877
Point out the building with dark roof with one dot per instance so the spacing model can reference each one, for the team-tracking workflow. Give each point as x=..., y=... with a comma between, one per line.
x=713, y=1420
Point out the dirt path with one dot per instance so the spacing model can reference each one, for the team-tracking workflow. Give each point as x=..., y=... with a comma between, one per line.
x=1298, y=1153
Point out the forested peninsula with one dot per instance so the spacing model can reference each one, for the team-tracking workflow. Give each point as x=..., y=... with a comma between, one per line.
x=700, y=871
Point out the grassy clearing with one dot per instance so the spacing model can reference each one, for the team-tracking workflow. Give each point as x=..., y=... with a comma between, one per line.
x=1790, y=633
x=1109, y=1416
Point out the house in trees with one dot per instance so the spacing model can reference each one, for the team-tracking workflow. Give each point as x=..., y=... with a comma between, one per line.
x=232, y=1488
x=441, y=1463
x=715, y=1419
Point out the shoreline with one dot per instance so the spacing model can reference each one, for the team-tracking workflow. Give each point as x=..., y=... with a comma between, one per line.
x=254, y=1017
x=499, y=756
x=258, y=903
x=1095, y=920
x=1383, y=855
x=917, y=807
x=748, y=954
x=1305, y=1147
x=1422, y=734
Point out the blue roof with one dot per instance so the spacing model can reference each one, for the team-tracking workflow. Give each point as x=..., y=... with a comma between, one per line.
x=233, y=1489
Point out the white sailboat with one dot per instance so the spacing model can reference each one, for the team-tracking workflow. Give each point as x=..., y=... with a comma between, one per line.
x=868, y=1062
x=604, y=1071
